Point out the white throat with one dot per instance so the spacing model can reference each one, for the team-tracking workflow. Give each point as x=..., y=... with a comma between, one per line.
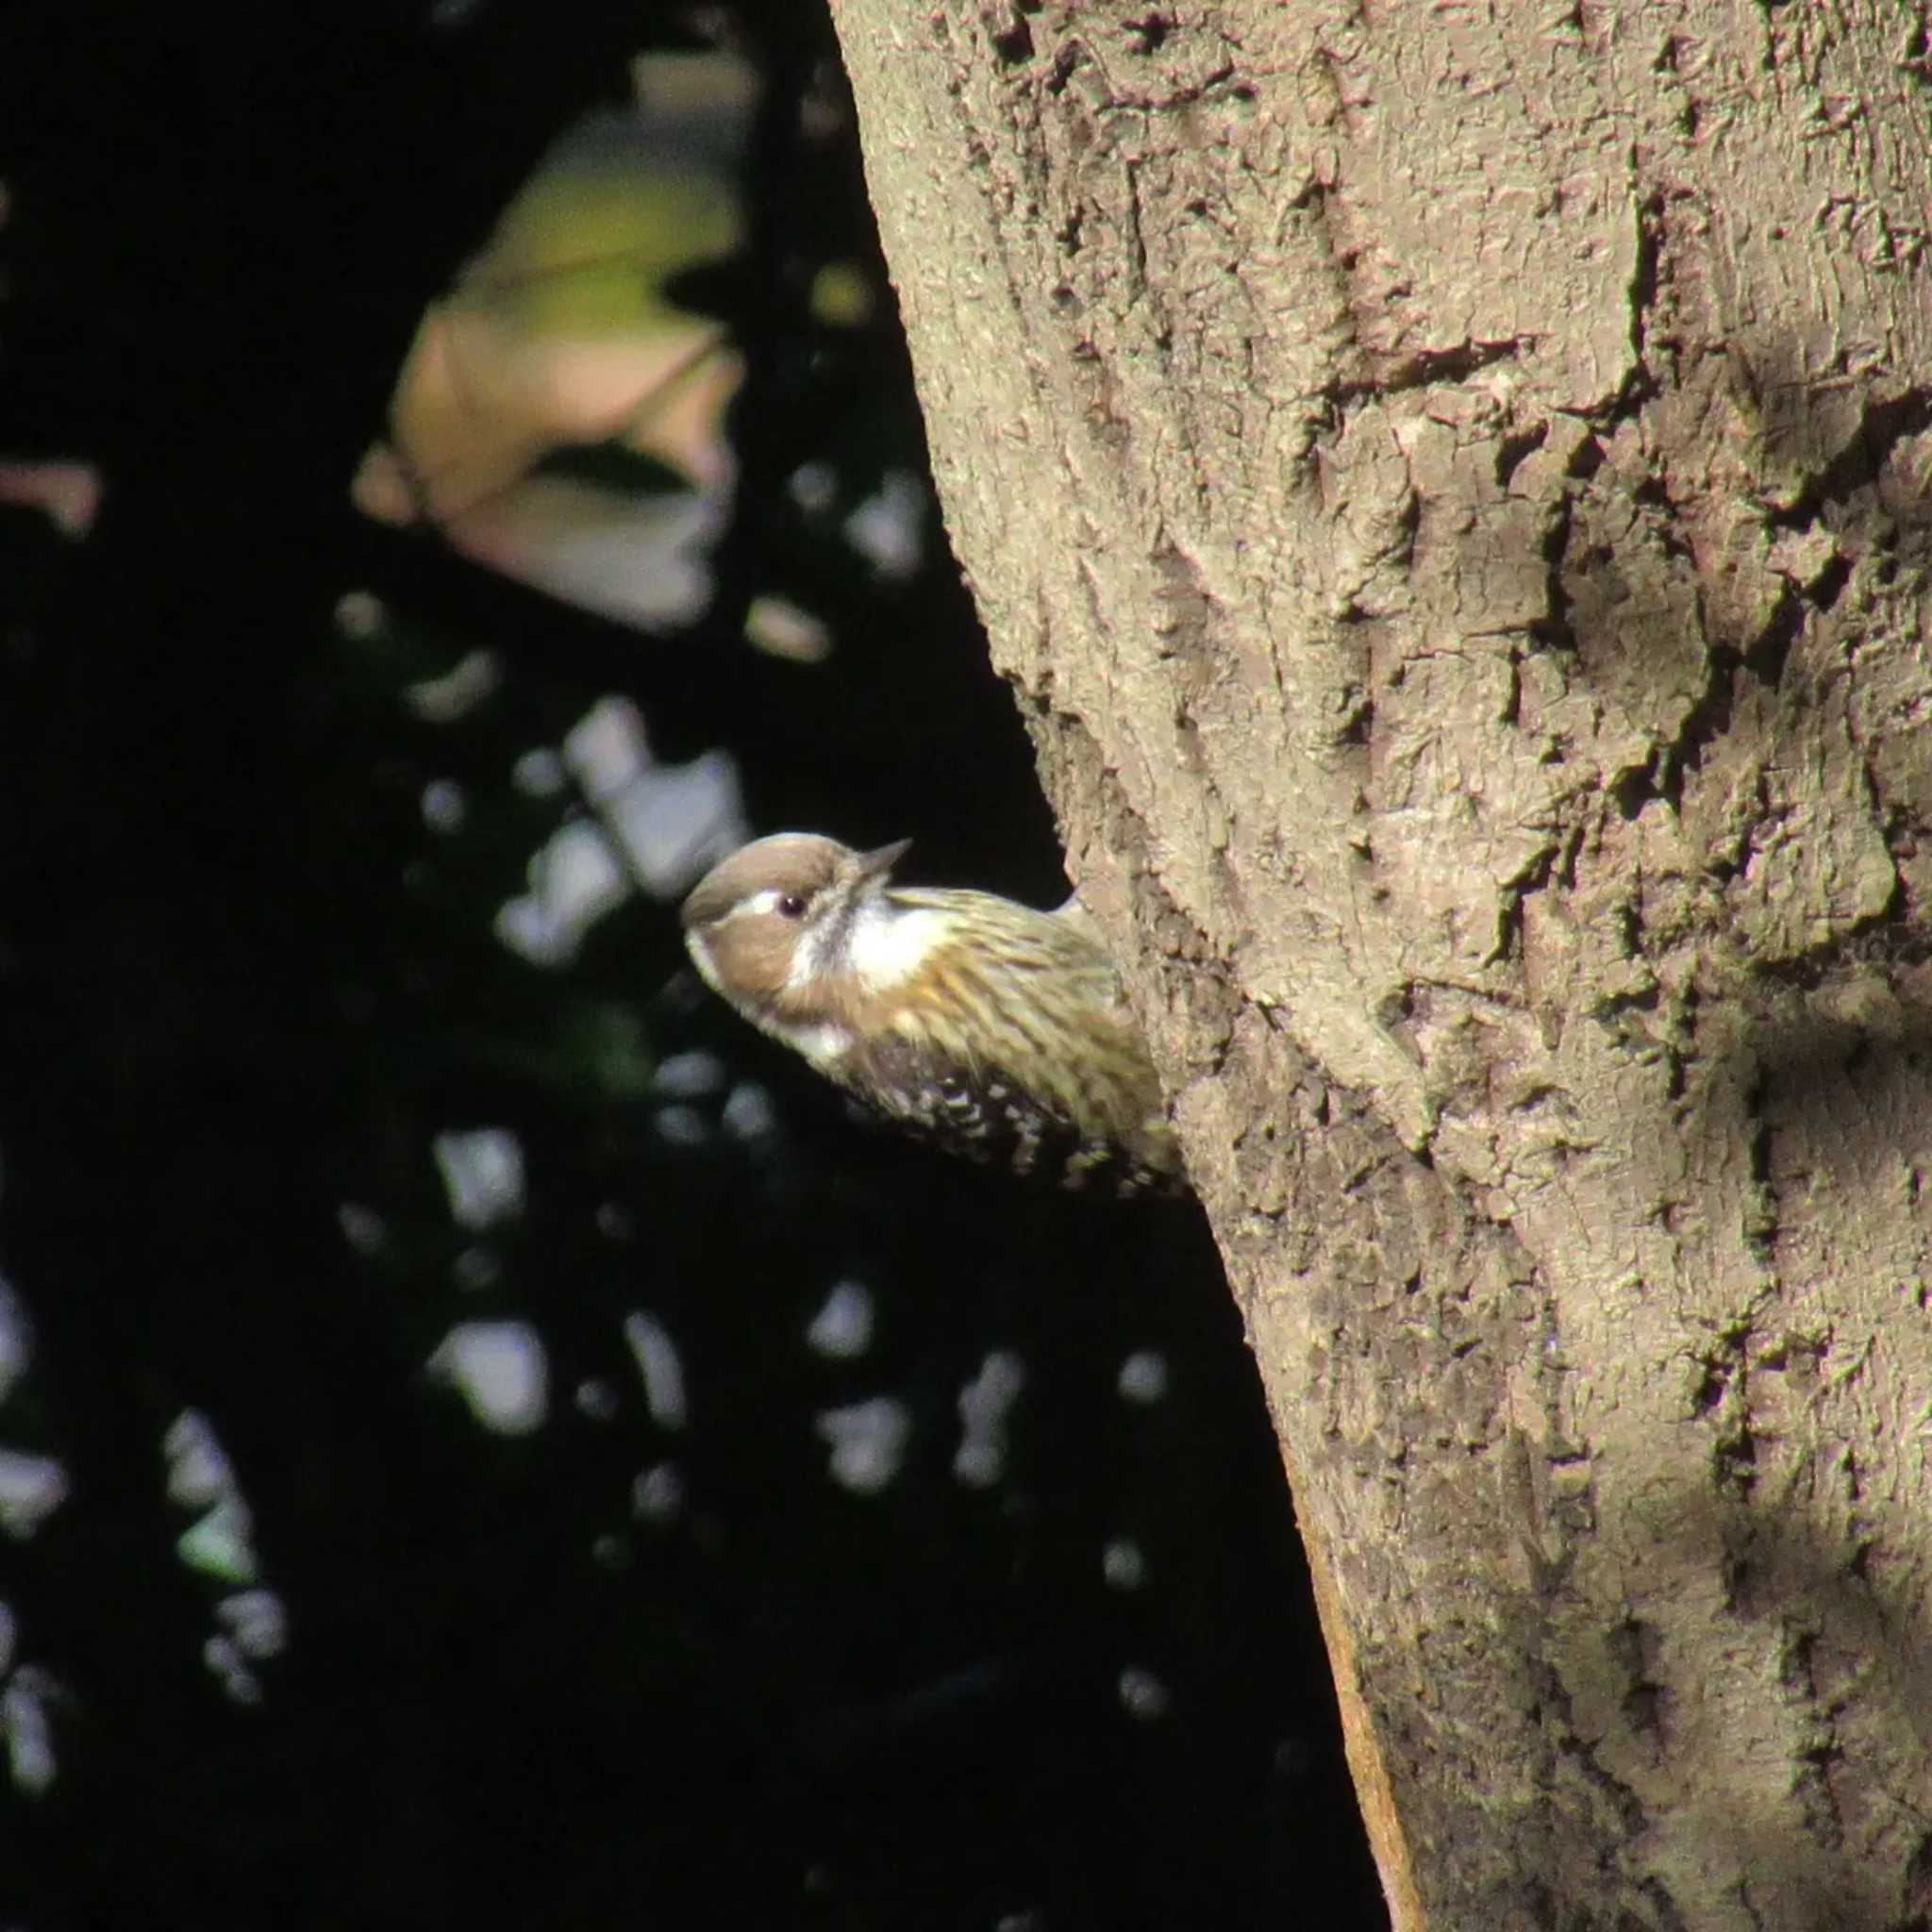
x=888, y=945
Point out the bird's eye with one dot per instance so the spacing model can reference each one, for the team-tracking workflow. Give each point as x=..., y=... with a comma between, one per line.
x=793, y=906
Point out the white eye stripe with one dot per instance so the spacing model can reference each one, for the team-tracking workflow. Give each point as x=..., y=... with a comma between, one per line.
x=792, y=903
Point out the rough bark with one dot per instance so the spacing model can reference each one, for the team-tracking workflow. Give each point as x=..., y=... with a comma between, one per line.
x=1449, y=486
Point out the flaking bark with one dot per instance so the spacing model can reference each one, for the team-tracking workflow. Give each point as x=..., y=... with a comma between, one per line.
x=1449, y=487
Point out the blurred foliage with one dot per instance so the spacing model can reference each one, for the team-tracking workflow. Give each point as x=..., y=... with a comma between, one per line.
x=566, y=337
x=521, y=1454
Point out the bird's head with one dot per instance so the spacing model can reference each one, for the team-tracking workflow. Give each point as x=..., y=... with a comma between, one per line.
x=774, y=920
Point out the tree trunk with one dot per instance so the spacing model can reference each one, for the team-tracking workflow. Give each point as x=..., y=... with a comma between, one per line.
x=1449, y=486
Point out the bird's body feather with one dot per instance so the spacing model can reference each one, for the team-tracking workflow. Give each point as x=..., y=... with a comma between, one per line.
x=994, y=1029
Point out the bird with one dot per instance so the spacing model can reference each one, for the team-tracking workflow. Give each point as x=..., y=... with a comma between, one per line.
x=995, y=1030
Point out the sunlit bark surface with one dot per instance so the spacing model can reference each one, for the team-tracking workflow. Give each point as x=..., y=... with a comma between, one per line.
x=1449, y=487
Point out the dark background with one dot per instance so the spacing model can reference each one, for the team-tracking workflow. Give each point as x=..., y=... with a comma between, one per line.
x=244, y=984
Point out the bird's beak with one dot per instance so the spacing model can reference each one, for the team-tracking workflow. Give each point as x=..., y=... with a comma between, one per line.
x=875, y=865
